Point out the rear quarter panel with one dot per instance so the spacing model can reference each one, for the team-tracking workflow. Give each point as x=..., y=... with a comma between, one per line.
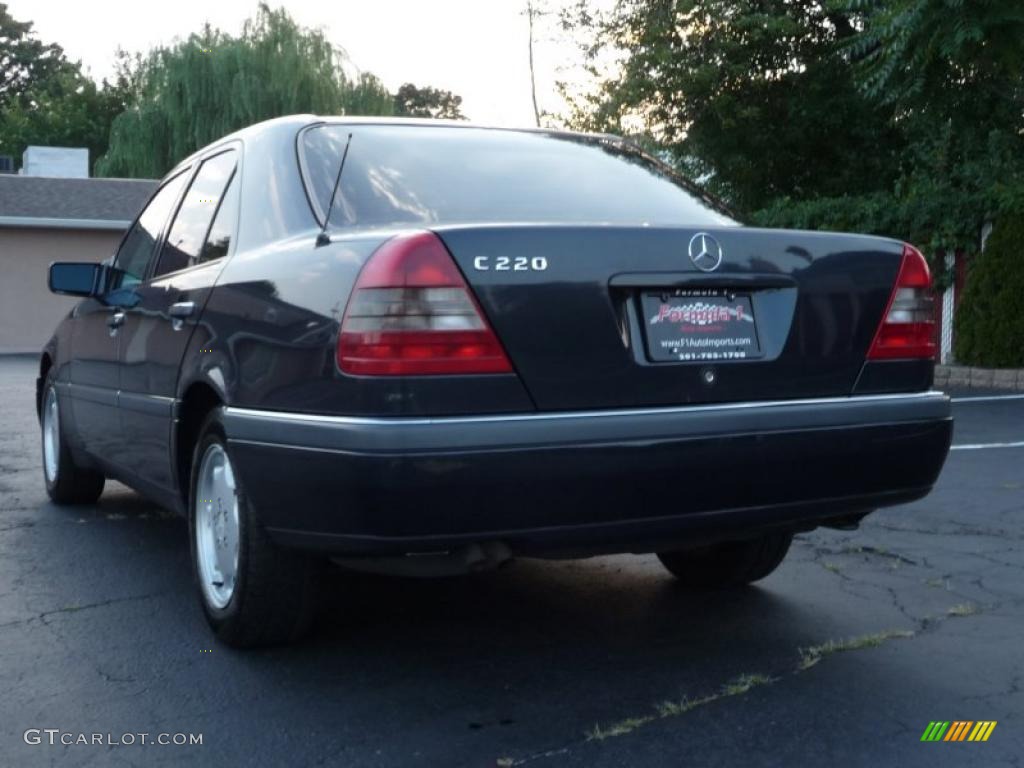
x=271, y=328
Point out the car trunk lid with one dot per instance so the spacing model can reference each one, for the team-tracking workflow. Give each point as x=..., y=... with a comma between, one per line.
x=616, y=316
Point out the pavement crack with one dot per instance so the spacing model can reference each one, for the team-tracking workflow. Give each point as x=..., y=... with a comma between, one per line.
x=5, y=528
x=114, y=678
x=666, y=709
x=864, y=550
x=809, y=658
x=1013, y=689
x=962, y=529
x=886, y=553
x=45, y=616
x=735, y=687
x=898, y=604
x=508, y=762
x=989, y=559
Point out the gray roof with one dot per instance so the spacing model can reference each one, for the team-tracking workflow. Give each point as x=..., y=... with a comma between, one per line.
x=80, y=203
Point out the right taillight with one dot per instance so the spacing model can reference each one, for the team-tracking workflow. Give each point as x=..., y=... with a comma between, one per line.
x=411, y=313
x=907, y=330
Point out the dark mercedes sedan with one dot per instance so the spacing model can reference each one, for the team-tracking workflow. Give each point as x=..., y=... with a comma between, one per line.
x=426, y=348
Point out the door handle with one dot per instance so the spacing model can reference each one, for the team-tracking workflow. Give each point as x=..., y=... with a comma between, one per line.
x=182, y=309
x=115, y=321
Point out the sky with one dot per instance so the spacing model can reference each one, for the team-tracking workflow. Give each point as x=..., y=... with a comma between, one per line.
x=474, y=48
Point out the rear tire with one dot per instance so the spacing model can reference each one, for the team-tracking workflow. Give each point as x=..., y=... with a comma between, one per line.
x=728, y=564
x=66, y=482
x=271, y=596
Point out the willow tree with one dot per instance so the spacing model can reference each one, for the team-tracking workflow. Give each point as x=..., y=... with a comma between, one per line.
x=195, y=91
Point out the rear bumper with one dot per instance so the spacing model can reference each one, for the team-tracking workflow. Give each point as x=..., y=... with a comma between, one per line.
x=582, y=482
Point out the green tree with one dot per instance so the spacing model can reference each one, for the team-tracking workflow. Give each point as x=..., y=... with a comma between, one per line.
x=211, y=84
x=69, y=111
x=953, y=73
x=368, y=96
x=745, y=95
x=25, y=61
x=413, y=101
x=942, y=54
x=46, y=99
x=895, y=117
x=990, y=320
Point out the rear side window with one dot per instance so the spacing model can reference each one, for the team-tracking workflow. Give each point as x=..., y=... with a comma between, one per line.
x=185, y=241
x=218, y=242
x=137, y=249
x=424, y=175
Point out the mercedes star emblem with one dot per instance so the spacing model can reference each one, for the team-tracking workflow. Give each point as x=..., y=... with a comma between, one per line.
x=705, y=252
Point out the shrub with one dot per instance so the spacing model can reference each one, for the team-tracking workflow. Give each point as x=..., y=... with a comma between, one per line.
x=990, y=318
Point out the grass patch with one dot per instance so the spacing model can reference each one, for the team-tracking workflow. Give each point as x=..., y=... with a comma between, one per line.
x=811, y=656
x=744, y=683
x=621, y=728
x=676, y=708
x=962, y=609
x=735, y=687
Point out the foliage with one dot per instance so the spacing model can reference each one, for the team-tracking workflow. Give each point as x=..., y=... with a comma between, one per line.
x=413, y=101
x=367, y=96
x=191, y=93
x=949, y=188
x=745, y=95
x=166, y=104
x=955, y=69
x=70, y=111
x=45, y=99
x=925, y=53
x=25, y=61
x=990, y=320
x=895, y=117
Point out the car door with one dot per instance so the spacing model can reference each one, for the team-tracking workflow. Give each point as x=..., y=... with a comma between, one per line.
x=158, y=326
x=96, y=331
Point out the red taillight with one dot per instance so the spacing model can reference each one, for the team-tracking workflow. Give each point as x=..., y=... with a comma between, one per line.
x=908, y=325
x=412, y=314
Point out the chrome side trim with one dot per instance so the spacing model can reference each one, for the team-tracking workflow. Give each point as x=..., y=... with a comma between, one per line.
x=933, y=396
x=90, y=393
x=143, y=402
x=133, y=401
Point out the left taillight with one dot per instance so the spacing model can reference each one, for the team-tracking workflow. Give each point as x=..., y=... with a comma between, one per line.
x=907, y=330
x=411, y=313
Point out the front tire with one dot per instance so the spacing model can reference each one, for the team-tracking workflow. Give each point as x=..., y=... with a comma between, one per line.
x=728, y=564
x=66, y=482
x=253, y=592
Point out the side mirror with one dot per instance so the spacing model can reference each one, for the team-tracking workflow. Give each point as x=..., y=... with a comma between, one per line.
x=75, y=278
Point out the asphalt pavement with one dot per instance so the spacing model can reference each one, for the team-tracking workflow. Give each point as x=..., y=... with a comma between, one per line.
x=841, y=657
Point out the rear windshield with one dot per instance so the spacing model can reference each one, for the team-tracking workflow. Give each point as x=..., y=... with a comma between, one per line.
x=426, y=175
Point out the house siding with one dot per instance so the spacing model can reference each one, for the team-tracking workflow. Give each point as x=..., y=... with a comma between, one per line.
x=29, y=313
